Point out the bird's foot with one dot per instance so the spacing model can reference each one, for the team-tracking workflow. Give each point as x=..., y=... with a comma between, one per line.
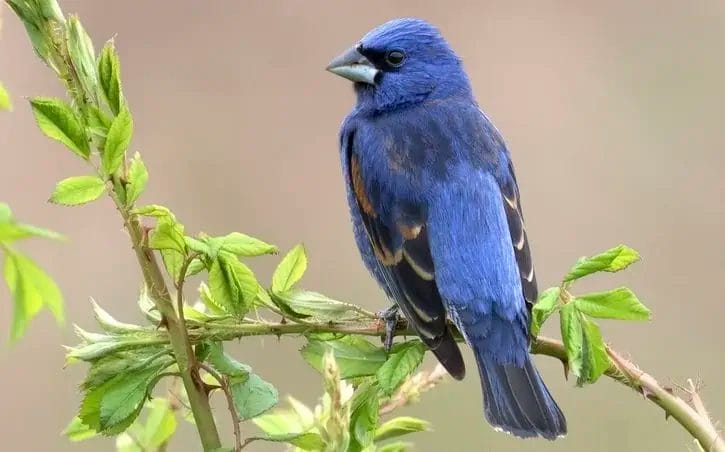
x=390, y=316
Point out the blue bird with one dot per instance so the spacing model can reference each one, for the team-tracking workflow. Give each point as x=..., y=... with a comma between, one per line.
x=437, y=217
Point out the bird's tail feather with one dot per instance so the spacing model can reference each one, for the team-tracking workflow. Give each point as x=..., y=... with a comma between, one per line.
x=517, y=401
x=449, y=355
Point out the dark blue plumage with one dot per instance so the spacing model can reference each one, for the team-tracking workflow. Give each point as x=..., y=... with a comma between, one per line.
x=436, y=215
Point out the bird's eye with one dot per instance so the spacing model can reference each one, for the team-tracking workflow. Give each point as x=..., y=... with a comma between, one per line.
x=395, y=58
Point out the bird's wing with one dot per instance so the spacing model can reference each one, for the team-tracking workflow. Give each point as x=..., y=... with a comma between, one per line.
x=404, y=263
x=479, y=250
x=519, y=239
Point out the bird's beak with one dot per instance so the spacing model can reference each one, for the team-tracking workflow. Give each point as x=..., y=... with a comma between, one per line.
x=352, y=65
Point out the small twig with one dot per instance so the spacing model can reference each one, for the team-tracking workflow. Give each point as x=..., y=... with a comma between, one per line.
x=225, y=387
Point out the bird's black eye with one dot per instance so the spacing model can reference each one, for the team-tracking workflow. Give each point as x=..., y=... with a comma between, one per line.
x=395, y=58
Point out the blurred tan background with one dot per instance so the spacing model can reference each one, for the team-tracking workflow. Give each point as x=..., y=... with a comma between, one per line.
x=613, y=112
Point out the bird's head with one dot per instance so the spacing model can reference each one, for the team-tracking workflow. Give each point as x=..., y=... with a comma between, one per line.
x=399, y=63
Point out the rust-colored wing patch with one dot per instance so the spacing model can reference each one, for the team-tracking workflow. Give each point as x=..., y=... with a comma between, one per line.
x=358, y=187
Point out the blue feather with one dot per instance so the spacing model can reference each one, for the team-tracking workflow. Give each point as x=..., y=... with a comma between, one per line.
x=437, y=217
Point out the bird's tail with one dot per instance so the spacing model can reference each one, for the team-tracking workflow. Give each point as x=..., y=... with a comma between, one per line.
x=516, y=400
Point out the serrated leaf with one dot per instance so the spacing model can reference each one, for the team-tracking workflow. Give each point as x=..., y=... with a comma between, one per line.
x=26, y=13
x=305, y=303
x=365, y=411
x=138, y=177
x=110, y=324
x=154, y=210
x=232, y=284
x=224, y=363
x=98, y=121
x=173, y=260
x=208, y=299
x=400, y=426
x=109, y=71
x=595, y=353
x=355, y=356
x=31, y=289
x=290, y=270
x=572, y=336
x=620, y=303
x=243, y=245
x=281, y=422
x=547, y=304
x=584, y=346
x=77, y=190
x=253, y=397
x=5, y=103
x=199, y=246
x=309, y=441
x=168, y=236
x=78, y=431
x=57, y=120
x=117, y=142
x=123, y=396
x=82, y=54
x=612, y=260
x=402, y=361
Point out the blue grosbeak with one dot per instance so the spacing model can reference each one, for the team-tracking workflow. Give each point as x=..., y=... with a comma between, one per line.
x=437, y=216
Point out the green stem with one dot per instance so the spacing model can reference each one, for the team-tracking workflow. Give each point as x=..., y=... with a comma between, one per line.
x=181, y=346
x=621, y=370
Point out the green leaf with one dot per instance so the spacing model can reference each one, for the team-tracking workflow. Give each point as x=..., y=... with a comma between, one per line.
x=6, y=214
x=398, y=446
x=584, y=346
x=572, y=336
x=31, y=289
x=305, y=441
x=305, y=303
x=5, y=103
x=27, y=13
x=11, y=231
x=209, y=301
x=290, y=270
x=78, y=431
x=612, y=260
x=77, y=190
x=58, y=121
x=253, y=397
x=620, y=303
x=402, y=361
x=400, y=426
x=109, y=71
x=355, y=356
x=281, y=422
x=98, y=121
x=173, y=260
x=138, y=176
x=547, y=304
x=117, y=141
x=154, y=210
x=595, y=352
x=232, y=284
x=168, y=236
x=199, y=246
x=224, y=363
x=160, y=424
x=123, y=397
x=365, y=411
x=82, y=55
x=244, y=245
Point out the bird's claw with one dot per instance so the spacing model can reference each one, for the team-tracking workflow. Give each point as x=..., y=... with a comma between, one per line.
x=390, y=317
